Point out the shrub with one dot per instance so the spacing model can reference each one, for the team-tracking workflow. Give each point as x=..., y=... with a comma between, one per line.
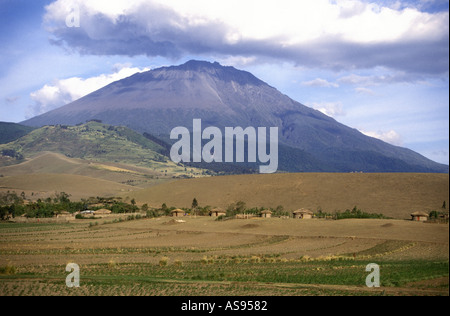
x=164, y=261
x=112, y=263
x=8, y=269
x=152, y=213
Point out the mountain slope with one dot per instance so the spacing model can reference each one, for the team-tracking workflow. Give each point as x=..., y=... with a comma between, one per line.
x=157, y=101
x=11, y=131
x=95, y=142
x=54, y=163
x=44, y=185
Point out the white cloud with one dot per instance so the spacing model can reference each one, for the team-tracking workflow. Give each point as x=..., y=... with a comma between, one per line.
x=64, y=91
x=375, y=80
x=391, y=137
x=237, y=61
x=319, y=33
x=332, y=109
x=318, y=82
x=363, y=90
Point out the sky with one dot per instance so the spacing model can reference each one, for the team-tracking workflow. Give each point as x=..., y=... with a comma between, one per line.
x=381, y=67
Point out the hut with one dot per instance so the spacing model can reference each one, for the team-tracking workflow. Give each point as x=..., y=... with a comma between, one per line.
x=177, y=213
x=303, y=214
x=217, y=212
x=65, y=214
x=266, y=214
x=102, y=211
x=419, y=216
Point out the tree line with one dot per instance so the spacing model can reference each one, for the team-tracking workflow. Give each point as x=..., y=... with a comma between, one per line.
x=15, y=205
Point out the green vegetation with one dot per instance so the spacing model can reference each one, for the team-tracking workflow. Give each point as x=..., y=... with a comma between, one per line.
x=97, y=142
x=241, y=208
x=92, y=140
x=12, y=153
x=8, y=269
x=276, y=270
x=13, y=205
x=354, y=213
x=236, y=277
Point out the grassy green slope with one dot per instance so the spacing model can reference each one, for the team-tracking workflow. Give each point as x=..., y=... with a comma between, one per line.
x=92, y=141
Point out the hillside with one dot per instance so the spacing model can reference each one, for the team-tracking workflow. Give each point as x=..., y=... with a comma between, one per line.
x=53, y=163
x=96, y=142
x=159, y=100
x=10, y=132
x=44, y=185
x=394, y=195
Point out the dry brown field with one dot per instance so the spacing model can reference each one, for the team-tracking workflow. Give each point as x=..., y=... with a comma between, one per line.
x=201, y=256
x=394, y=195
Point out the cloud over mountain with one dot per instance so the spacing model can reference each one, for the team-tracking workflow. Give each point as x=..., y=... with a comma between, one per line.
x=318, y=33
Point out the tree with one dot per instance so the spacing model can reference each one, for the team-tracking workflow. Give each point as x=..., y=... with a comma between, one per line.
x=194, y=203
x=236, y=208
x=194, y=206
x=62, y=197
x=240, y=207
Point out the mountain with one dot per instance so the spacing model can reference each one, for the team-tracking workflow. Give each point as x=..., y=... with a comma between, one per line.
x=159, y=100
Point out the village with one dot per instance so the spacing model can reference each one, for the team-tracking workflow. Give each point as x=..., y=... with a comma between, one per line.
x=59, y=208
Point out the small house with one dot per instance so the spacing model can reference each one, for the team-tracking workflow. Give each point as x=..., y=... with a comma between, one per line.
x=217, y=212
x=266, y=214
x=303, y=214
x=65, y=214
x=102, y=212
x=177, y=213
x=419, y=216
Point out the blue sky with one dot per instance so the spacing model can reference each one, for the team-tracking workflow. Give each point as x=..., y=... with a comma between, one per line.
x=380, y=67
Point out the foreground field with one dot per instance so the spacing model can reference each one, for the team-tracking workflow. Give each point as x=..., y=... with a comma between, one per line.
x=201, y=256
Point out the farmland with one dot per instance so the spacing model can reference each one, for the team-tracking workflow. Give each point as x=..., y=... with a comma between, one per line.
x=202, y=256
x=198, y=255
